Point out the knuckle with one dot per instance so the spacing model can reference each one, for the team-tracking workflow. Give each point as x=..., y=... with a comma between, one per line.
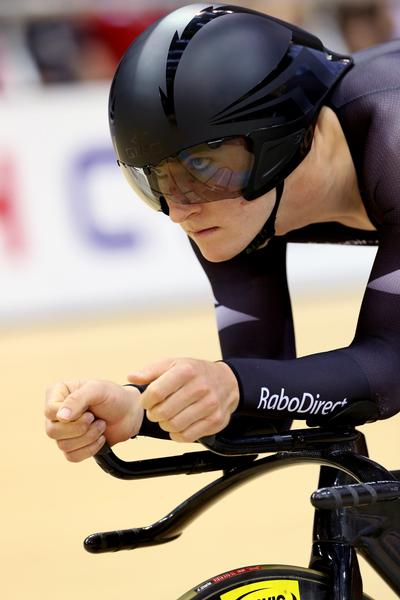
x=73, y=457
x=186, y=369
x=154, y=394
x=171, y=425
x=184, y=437
x=50, y=430
x=82, y=429
x=50, y=389
x=48, y=412
x=63, y=445
x=96, y=430
x=165, y=426
x=161, y=413
x=150, y=415
x=48, y=396
x=216, y=419
x=50, y=409
x=55, y=389
x=212, y=404
x=204, y=389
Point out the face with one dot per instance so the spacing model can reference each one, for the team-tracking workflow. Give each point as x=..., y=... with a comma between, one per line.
x=202, y=187
x=222, y=229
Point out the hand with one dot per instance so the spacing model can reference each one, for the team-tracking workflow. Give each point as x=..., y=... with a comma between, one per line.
x=188, y=398
x=82, y=415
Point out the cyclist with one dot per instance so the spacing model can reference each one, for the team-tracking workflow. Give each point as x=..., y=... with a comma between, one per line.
x=250, y=134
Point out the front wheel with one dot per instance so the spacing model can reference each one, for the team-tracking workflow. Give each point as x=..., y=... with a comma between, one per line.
x=264, y=582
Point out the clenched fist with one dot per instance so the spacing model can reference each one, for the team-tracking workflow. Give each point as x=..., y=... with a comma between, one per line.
x=82, y=415
x=188, y=398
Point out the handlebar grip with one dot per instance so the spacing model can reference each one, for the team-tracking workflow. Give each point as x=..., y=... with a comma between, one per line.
x=188, y=463
x=123, y=539
x=297, y=439
x=357, y=494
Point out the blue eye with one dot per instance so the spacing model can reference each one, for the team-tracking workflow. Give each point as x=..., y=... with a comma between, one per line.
x=199, y=164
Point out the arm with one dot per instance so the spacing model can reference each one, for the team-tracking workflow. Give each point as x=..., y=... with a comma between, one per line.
x=274, y=384
x=356, y=384
x=320, y=386
x=254, y=318
x=253, y=309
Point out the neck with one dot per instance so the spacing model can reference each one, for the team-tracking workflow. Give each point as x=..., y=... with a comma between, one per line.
x=324, y=187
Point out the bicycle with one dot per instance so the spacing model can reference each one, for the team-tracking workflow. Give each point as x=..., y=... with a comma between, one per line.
x=357, y=510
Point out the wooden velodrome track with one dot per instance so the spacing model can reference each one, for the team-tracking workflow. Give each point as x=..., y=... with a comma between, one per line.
x=49, y=505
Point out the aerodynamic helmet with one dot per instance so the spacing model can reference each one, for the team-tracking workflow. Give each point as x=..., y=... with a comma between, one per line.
x=217, y=101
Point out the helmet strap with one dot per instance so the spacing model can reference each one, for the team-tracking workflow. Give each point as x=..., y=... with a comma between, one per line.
x=164, y=205
x=268, y=230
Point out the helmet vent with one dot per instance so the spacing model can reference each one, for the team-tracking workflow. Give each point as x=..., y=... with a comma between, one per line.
x=299, y=84
x=176, y=49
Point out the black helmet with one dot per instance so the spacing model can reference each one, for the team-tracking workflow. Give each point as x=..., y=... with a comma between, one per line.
x=216, y=101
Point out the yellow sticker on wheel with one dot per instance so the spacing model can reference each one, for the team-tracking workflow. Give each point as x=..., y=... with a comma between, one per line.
x=273, y=589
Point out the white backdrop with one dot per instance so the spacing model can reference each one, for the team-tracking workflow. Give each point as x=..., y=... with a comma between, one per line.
x=72, y=236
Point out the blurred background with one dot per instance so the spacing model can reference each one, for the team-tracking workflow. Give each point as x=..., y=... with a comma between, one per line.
x=94, y=285
x=72, y=241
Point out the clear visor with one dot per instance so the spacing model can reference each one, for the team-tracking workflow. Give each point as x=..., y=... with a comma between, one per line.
x=208, y=172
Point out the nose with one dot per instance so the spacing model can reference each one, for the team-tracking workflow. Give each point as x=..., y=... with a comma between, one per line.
x=178, y=213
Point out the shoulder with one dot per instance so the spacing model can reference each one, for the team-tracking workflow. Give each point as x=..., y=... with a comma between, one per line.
x=367, y=102
x=375, y=74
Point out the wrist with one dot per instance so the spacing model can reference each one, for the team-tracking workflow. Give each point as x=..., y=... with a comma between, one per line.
x=137, y=410
x=139, y=387
x=233, y=395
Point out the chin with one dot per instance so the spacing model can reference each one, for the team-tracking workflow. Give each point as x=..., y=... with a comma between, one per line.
x=217, y=254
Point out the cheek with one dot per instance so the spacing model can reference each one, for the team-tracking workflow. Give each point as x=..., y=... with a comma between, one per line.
x=238, y=221
x=241, y=220
x=237, y=212
x=225, y=214
x=254, y=213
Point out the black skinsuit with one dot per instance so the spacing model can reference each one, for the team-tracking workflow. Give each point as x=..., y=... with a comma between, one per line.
x=252, y=298
x=253, y=305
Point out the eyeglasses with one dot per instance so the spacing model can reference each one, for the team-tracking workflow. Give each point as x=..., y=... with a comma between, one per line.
x=207, y=172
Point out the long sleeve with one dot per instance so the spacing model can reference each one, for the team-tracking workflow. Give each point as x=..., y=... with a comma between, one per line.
x=364, y=377
x=252, y=303
x=255, y=328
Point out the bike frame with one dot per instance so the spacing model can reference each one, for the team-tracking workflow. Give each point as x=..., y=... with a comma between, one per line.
x=373, y=530
x=339, y=533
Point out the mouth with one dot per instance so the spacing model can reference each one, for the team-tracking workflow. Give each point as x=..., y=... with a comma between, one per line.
x=202, y=232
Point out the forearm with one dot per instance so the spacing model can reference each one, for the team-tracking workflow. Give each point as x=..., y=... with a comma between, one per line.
x=313, y=388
